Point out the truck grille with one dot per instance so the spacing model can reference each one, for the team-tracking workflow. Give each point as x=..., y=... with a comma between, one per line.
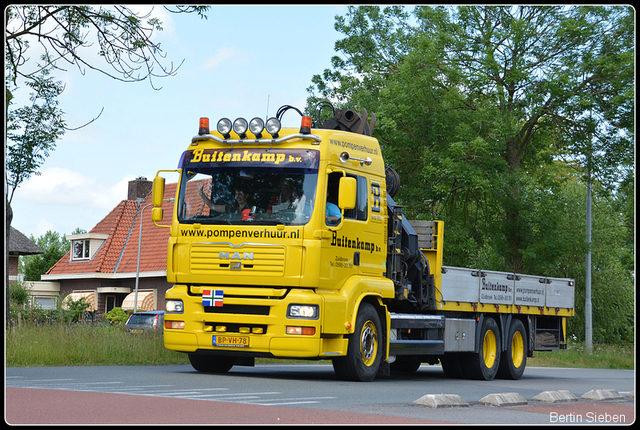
x=221, y=259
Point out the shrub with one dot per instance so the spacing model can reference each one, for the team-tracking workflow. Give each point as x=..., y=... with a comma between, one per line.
x=117, y=317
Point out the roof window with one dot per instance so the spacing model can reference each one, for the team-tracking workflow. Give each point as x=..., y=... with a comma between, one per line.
x=85, y=245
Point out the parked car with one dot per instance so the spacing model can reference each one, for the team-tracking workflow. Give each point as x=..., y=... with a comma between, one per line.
x=147, y=320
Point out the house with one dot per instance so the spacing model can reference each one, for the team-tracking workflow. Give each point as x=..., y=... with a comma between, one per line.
x=19, y=244
x=42, y=293
x=102, y=264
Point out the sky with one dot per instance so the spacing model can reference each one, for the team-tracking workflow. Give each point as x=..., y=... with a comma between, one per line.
x=243, y=61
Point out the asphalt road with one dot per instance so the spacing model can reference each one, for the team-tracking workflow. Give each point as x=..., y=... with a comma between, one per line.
x=288, y=394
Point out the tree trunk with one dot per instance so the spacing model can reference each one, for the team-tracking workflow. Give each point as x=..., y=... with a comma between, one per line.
x=6, y=268
x=513, y=228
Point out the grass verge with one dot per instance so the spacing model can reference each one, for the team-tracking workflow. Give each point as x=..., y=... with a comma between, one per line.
x=104, y=345
x=602, y=357
x=86, y=345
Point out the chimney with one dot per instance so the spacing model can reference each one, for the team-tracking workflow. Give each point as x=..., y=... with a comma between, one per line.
x=139, y=188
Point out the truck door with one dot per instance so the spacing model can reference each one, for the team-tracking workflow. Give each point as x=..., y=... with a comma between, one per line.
x=353, y=245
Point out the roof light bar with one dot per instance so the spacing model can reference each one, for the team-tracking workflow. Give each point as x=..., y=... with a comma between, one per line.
x=256, y=126
x=240, y=126
x=224, y=127
x=273, y=127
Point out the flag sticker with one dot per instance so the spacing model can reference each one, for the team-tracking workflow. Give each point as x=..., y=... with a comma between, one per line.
x=212, y=297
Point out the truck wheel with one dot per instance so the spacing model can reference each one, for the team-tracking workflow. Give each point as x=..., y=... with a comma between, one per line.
x=513, y=362
x=365, y=350
x=406, y=364
x=452, y=365
x=211, y=363
x=485, y=363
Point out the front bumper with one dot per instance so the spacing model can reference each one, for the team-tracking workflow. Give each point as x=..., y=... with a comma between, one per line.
x=256, y=316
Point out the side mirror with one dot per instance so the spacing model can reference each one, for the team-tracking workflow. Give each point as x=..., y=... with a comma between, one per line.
x=158, y=192
x=157, y=214
x=347, y=193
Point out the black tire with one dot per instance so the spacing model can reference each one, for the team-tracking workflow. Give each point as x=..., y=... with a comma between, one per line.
x=364, y=352
x=452, y=365
x=514, y=359
x=485, y=363
x=211, y=363
x=406, y=364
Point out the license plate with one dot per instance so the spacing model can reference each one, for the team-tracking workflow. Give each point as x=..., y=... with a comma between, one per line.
x=136, y=330
x=237, y=341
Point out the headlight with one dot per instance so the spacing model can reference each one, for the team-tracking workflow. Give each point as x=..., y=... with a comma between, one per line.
x=303, y=311
x=256, y=126
x=174, y=306
x=240, y=126
x=273, y=127
x=224, y=127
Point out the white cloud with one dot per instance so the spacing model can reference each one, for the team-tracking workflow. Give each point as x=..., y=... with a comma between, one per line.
x=43, y=225
x=223, y=54
x=64, y=187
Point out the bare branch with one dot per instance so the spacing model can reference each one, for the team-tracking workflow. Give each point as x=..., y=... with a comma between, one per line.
x=87, y=123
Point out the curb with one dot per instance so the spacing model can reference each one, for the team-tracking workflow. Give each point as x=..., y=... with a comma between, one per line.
x=602, y=395
x=560, y=396
x=441, y=401
x=514, y=399
x=504, y=399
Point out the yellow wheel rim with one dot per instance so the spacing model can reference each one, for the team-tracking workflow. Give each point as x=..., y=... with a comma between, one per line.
x=517, y=349
x=489, y=349
x=369, y=343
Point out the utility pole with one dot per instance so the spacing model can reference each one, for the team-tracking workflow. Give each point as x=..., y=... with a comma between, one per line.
x=588, y=327
x=135, y=296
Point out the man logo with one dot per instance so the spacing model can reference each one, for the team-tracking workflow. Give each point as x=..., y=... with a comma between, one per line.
x=236, y=256
x=236, y=265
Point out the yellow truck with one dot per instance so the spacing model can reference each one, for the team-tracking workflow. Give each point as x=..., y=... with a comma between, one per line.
x=287, y=243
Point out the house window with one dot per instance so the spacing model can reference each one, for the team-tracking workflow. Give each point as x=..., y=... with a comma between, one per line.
x=47, y=303
x=80, y=249
x=85, y=245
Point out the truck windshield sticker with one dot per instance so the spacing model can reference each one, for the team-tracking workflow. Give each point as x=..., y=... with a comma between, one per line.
x=248, y=186
x=287, y=158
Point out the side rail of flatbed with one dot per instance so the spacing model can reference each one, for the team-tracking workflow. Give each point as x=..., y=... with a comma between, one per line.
x=464, y=289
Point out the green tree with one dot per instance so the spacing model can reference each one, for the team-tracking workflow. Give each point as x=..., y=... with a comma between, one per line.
x=624, y=200
x=375, y=45
x=19, y=293
x=33, y=130
x=497, y=114
x=54, y=245
x=75, y=309
x=68, y=35
x=478, y=104
x=122, y=37
x=612, y=274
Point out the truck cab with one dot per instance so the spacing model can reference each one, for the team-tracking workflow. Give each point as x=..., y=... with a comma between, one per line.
x=275, y=241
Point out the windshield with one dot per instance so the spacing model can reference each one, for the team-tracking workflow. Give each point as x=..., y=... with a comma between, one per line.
x=241, y=186
x=142, y=319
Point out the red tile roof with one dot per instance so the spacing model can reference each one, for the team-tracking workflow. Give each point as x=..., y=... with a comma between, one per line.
x=119, y=253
